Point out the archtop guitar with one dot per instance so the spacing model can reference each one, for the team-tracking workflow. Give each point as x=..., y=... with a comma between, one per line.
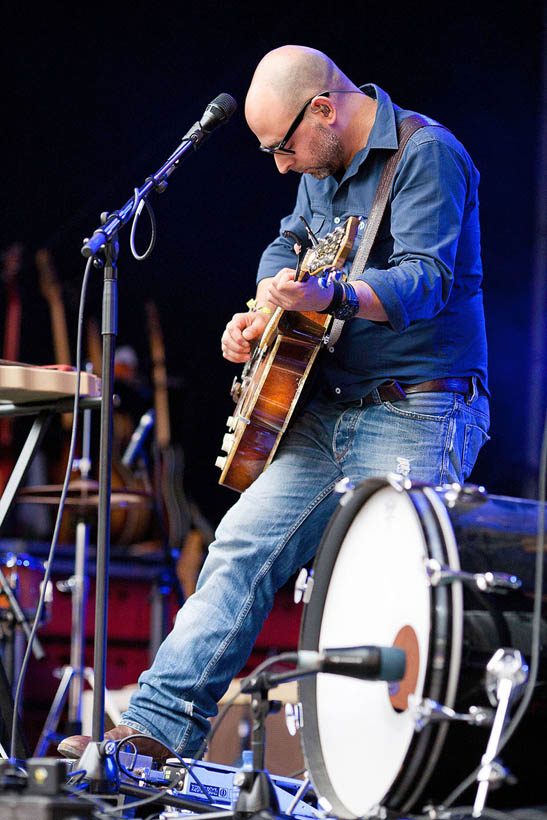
x=272, y=380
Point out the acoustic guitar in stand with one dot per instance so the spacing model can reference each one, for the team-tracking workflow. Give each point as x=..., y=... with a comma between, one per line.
x=187, y=529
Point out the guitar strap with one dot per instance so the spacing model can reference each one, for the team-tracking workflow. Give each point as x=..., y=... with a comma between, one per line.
x=405, y=129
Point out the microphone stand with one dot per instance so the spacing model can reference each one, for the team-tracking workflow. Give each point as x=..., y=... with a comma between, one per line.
x=98, y=760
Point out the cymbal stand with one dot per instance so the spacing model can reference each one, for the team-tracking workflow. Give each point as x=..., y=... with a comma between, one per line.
x=74, y=675
x=506, y=674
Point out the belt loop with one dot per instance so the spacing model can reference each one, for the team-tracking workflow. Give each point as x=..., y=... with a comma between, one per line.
x=469, y=399
x=376, y=397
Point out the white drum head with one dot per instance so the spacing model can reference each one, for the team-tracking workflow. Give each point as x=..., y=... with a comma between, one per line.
x=379, y=586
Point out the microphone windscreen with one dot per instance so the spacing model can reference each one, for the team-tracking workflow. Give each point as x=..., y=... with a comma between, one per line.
x=227, y=103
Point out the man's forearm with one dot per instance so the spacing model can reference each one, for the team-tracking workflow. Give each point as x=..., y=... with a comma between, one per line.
x=370, y=306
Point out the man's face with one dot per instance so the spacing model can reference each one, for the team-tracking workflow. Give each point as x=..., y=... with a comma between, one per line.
x=313, y=148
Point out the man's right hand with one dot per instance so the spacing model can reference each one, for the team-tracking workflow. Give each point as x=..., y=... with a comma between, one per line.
x=240, y=331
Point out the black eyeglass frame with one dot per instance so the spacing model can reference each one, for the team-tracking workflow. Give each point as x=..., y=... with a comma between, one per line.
x=280, y=147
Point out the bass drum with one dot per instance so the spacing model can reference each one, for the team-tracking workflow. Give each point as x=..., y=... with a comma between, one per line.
x=374, y=584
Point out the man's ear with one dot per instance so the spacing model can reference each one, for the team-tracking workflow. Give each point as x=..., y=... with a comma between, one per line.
x=322, y=105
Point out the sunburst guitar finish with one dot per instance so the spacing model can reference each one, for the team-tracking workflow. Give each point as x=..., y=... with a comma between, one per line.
x=273, y=379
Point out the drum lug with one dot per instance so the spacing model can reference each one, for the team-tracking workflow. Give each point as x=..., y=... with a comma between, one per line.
x=293, y=718
x=303, y=587
x=484, y=581
x=345, y=488
x=426, y=710
x=399, y=482
x=470, y=493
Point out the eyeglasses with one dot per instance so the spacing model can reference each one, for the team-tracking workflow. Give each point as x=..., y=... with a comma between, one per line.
x=280, y=147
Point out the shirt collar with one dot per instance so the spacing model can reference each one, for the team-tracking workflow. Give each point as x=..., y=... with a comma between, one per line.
x=384, y=130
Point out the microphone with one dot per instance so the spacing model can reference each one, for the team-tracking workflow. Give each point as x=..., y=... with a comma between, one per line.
x=364, y=662
x=137, y=439
x=216, y=113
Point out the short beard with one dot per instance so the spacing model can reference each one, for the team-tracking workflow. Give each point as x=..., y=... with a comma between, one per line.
x=327, y=153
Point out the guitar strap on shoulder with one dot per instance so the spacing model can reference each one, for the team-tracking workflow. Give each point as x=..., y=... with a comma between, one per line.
x=405, y=129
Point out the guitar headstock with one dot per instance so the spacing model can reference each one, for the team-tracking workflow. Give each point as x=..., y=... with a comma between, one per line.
x=331, y=251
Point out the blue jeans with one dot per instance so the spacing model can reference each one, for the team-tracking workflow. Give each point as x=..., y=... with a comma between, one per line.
x=276, y=526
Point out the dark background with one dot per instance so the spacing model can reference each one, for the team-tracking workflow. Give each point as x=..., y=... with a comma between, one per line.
x=97, y=98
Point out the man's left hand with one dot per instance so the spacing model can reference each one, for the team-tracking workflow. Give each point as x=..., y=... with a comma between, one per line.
x=284, y=292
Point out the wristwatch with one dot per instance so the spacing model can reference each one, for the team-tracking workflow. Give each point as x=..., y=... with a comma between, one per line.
x=348, y=308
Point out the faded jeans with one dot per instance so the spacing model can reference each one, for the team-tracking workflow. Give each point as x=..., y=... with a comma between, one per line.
x=275, y=528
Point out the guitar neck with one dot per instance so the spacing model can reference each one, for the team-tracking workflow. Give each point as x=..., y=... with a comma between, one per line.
x=159, y=377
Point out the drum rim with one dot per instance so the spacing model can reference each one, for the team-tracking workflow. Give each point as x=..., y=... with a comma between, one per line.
x=430, y=740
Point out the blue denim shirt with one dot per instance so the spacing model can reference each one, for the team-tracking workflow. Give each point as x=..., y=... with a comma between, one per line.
x=425, y=265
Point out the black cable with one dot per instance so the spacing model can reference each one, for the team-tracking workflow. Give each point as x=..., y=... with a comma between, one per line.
x=128, y=806
x=153, y=234
x=536, y=625
x=55, y=538
x=294, y=775
x=125, y=771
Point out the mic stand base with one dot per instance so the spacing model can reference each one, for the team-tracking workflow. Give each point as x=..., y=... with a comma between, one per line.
x=257, y=793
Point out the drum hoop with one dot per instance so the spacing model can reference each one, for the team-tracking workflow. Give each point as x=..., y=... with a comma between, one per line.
x=444, y=549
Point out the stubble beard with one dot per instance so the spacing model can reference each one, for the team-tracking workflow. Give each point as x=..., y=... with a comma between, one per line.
x=327, y=154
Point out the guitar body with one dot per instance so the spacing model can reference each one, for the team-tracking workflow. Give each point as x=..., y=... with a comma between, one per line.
x=269, y=391
x=273, y=379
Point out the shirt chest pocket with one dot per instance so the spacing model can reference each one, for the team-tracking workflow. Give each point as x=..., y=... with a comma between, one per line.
x=317, y=222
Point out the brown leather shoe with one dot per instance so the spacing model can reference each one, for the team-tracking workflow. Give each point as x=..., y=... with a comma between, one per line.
x=75, y=746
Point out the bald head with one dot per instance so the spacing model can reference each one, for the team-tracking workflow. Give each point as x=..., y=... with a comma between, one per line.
x=291, y=74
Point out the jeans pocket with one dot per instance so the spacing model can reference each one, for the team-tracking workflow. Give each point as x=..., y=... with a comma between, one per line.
x=423, y=406
x=473, y=439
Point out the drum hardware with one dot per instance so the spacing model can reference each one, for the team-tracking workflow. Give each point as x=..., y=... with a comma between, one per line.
x=345, y=488
x=463, y=492
x=506, y=675
x=16, y=618
x=484, y=581
x=293, y=718
x=427, y=710
x=17, y=613
x=303, y=587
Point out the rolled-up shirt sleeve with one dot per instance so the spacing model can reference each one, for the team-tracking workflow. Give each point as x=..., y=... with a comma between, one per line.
x=430, y=191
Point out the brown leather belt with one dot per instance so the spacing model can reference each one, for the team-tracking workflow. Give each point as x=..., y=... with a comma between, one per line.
x=395, y=391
